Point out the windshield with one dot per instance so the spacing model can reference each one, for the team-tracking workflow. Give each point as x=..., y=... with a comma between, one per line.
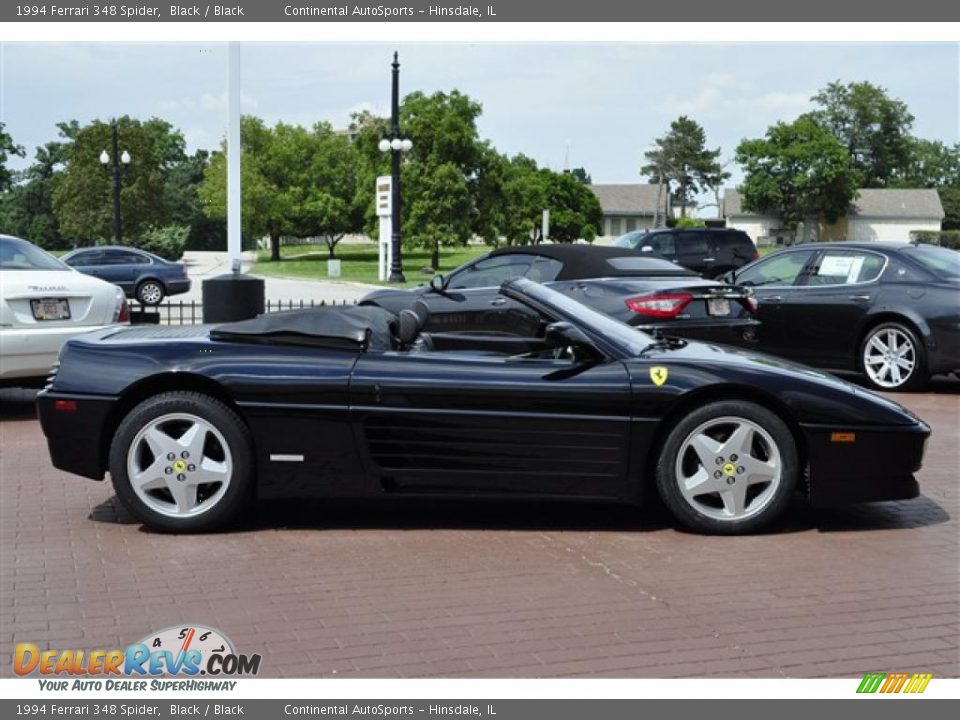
x=630, y=240
x=17, y=254
x=941, y=261
x=630, y=341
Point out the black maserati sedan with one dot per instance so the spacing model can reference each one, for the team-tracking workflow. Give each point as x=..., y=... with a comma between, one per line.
x=193, y=423
x=890, y=311
x=645, y=291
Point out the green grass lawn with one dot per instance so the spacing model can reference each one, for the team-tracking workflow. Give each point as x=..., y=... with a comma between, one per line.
x=358, y=263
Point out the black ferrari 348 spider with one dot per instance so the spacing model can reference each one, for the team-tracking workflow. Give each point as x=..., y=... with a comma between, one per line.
x=193, y=423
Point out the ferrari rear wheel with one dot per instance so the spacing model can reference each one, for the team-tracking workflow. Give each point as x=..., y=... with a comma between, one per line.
x=181, y=462
x=727, y=468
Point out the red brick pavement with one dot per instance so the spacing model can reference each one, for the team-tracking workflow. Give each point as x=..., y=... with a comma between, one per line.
x=454, y=589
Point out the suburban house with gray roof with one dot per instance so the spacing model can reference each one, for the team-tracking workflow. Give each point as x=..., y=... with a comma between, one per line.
x=630, y=207
x=875, y=214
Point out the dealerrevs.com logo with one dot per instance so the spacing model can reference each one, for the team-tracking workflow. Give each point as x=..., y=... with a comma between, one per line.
x=180, y=651
x=898, y=682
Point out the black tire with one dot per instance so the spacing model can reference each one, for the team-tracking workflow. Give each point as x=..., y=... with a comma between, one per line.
x=773, y=504
x=918, y=377
x=239, y=489
x=150, y=292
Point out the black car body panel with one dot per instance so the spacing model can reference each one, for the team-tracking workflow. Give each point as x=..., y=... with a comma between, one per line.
x=415, y=422
x=822, y=320
x=710, y=252
x=129, y=267
x=603, y=278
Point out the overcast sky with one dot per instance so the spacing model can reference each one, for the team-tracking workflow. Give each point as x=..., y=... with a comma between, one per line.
x=606, y=102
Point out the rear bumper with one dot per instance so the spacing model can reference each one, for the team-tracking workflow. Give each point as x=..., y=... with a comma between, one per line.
x=877, y=465
x=75, y=438
x=728, y=332
x=29, y=352
x=176, y=287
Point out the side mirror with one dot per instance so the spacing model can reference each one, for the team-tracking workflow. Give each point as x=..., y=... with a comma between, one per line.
x=438, y=284
x=560, y=334
x=647, y=248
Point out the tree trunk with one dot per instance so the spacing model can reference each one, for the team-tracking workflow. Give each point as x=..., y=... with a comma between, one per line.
x=435, y=256
x=331, y=247
x=274, y=247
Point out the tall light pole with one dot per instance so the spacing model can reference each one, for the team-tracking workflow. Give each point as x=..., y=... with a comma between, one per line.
x=116, y=166
x=395, y=143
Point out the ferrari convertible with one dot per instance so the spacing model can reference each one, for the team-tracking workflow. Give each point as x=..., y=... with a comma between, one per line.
x=193, y=423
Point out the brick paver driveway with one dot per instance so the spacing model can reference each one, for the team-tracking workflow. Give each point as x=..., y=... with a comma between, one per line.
x=454, y=589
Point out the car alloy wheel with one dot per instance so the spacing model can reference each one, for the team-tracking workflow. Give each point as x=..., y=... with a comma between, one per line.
x=179, y=465
x=728, y=467
x=183, y=462
x=150, y=293
x=891, y=357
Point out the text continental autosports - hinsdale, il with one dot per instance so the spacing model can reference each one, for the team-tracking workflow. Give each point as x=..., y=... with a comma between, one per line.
x=454, y=11
x=382, y=710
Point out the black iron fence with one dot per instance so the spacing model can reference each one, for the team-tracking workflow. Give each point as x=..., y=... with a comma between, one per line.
x=179, y=312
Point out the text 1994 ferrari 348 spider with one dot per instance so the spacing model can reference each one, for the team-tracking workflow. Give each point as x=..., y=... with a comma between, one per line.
x=192, y=423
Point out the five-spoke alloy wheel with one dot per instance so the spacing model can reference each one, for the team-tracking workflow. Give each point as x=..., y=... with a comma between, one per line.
x=181, y=462
x=728, y=467
x=892, y=358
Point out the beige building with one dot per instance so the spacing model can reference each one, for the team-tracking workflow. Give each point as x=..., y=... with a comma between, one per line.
x=630, y=207
x=875, y=214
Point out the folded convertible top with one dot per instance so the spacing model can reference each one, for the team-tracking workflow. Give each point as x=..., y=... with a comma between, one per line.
x=350, y=327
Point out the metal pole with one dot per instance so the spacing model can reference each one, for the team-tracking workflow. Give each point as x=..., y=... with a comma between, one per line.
x=396, y=251
x=233, y=158
x=117, y=224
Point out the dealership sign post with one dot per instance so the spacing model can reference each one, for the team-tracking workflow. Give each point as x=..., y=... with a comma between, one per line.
x=384, y=213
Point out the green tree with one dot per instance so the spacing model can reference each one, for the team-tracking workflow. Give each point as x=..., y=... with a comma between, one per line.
x=682, y=161
x=182, y=197
x=294, y=182
x=931, y=164
x=581, y=175
x=82, y=196
x=950, y=199
x=799, y=169
x=7, y=148
x=26, y=210
x=873, y=128
x=528, y=190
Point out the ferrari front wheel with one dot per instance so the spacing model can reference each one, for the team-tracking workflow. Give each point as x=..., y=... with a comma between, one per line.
x=181, y=462
x=727, y=468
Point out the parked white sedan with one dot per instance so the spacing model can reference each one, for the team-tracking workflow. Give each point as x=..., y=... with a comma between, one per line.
x=43, y=303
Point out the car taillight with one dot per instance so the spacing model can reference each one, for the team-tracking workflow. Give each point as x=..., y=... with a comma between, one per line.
x=756, y=253
x=750, y=303
x=121, y=313
x=667, y=305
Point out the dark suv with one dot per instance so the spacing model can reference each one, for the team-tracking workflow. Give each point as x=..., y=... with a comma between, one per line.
x=711, y=252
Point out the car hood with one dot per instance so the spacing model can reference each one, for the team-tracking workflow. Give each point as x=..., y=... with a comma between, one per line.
x=813, y=395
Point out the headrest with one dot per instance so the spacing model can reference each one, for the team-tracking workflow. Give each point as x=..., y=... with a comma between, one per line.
x=408, y=326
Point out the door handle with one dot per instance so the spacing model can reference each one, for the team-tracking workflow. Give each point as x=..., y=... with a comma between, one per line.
x=860, y=298
x=498, y=302
x=772, y=298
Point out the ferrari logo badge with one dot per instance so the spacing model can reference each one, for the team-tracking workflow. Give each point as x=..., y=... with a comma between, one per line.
x=659, y=375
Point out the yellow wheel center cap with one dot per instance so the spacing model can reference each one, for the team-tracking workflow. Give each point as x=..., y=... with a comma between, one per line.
x=729, y=469
x=179, y=466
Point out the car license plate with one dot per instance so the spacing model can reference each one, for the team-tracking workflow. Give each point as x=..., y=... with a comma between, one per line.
x=718, y=306
x=50, y=309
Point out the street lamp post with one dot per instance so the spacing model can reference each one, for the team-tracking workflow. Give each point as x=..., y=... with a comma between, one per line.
x=395, y=143
x=116, y=166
